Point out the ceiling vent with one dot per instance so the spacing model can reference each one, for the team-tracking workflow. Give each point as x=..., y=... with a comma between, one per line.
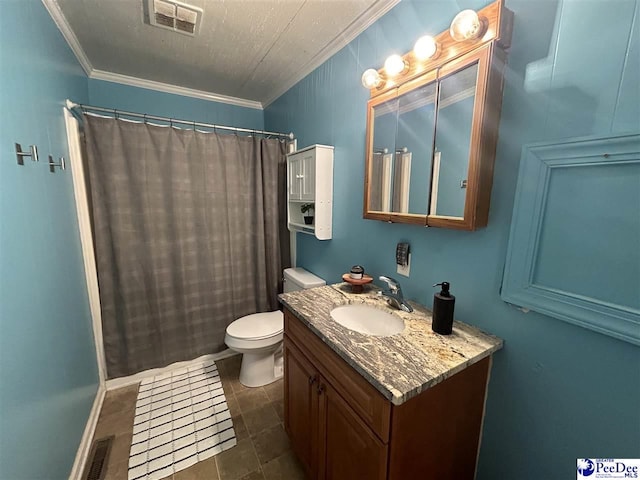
x=174, y=16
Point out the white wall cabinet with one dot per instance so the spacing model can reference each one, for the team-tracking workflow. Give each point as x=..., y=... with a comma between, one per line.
x=310, y=180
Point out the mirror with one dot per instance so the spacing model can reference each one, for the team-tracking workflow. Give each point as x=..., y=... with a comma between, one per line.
x=431, y=144
x=402, y=151
x=414, y=150
x=432, y=128
x=382, y=161
x=453, y=142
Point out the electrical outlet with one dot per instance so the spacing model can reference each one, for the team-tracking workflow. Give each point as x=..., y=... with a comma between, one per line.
x=404, y=270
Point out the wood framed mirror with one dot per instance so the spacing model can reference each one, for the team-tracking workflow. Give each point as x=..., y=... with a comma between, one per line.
x=431, y=138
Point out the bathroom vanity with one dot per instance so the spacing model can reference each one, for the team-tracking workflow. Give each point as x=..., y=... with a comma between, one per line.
x=404, y=406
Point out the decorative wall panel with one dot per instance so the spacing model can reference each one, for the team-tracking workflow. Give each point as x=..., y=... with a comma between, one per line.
x=574, y=248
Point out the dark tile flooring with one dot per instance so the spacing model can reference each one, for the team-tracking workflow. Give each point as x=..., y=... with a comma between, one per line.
x=262, y=452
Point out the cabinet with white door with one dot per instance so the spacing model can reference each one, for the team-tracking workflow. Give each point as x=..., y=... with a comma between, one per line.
x=310, y=181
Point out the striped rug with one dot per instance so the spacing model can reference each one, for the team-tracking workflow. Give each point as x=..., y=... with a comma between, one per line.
x=181, y=418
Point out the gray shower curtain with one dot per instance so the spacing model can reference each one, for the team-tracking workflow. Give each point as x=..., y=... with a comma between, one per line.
x=190, y=234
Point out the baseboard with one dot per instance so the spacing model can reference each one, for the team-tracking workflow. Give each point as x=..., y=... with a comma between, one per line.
x=120, y=382
x=87, y=436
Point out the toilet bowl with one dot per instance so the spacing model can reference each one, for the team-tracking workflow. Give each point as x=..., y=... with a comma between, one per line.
x=258, y=337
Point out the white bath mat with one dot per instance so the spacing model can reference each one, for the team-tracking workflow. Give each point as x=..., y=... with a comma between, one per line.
x=181, y=418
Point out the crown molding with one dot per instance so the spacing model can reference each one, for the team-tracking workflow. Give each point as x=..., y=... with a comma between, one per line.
x=61, y=22
x=174, y=89
x=373, y=13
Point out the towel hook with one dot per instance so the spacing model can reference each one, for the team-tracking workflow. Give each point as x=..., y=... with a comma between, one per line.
x=53, y=165
x=20, y=154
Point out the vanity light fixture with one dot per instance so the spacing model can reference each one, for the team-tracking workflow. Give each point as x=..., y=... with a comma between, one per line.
x=425, y=48
x=466, y=25
x=371, y=79
x=395, y=65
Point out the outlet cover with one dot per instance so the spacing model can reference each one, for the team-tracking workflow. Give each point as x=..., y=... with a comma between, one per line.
x=404, y=270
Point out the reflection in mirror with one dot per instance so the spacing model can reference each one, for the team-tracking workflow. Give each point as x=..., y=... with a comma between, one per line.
x=414, y=148
x=403, y=131
x=453, y=142
x=384, y=136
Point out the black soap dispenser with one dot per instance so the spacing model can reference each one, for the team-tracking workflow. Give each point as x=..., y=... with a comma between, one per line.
x=443, y=304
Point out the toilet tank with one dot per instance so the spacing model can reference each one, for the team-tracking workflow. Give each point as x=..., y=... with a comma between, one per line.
x=300, y=279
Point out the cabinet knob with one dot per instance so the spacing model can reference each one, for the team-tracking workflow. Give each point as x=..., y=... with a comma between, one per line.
x=320, y=389
x=312, y=379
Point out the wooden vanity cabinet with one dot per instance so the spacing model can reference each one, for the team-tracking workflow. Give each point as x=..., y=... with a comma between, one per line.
x=327, y=435
x=301, y=406
x=342, y=428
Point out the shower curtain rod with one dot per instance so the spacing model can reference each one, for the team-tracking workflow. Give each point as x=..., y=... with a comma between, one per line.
x=86, y=108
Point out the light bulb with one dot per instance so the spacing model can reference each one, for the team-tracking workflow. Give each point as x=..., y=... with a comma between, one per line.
x=466, y=26
x=425, y=47
x=394, y=65
x=371, y=79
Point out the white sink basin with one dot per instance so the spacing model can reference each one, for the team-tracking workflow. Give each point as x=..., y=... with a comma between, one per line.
x=368, y=320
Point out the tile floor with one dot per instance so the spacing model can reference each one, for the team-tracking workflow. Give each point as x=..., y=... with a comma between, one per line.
x=262, y=452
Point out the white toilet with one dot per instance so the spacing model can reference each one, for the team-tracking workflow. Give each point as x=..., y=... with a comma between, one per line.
x=259, y=336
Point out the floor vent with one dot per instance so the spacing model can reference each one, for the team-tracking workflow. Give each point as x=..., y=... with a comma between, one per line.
x=97, y=465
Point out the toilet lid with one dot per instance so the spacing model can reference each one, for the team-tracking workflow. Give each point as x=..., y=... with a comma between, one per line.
x=257, y=326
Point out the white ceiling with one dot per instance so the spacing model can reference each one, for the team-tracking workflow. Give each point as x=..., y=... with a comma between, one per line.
x=246, y=52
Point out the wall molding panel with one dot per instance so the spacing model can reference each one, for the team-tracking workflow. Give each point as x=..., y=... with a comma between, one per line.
x=551, y=235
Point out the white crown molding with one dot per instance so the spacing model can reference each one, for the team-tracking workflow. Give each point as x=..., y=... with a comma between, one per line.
x=174, y=89
x=377, y=10
x=358, y=26
x=61, y=22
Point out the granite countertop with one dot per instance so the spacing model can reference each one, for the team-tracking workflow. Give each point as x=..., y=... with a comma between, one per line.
x=400, y=366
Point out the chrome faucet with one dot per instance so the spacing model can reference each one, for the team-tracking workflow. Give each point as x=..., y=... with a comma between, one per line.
x=393, y=292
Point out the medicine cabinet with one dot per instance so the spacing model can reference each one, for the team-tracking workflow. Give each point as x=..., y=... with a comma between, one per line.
x=431, y=137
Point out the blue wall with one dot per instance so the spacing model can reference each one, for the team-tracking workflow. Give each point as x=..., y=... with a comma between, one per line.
x=48, y=372
x=558, y=392
x=142, y=100
x=48, y=368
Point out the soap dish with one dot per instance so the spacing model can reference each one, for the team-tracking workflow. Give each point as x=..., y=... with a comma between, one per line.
x=357, y=284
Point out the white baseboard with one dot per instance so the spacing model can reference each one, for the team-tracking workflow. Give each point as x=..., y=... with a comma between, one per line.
x=136, y=378
x=87, y=436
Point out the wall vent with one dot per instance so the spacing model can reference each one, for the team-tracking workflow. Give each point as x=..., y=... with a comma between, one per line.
x=176, y=16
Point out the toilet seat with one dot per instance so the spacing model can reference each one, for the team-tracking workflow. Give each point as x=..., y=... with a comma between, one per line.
x=257, y=326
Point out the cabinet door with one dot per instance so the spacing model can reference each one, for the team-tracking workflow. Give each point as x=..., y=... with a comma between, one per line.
x=301, y=406
x=294, y=164
x=308, y=189
x=348, y=449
